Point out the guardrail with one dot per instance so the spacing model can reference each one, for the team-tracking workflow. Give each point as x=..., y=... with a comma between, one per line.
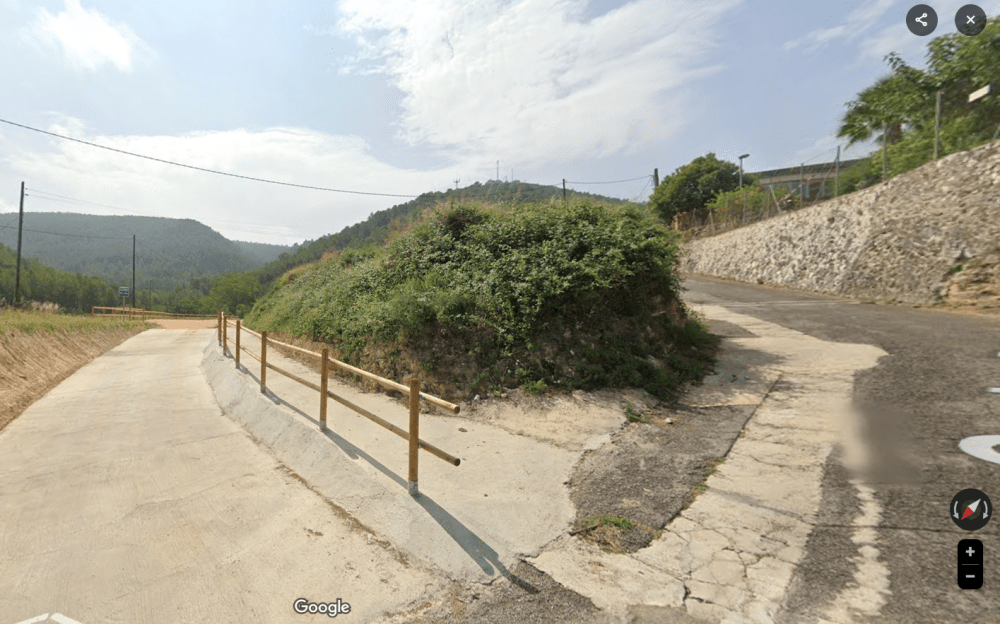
x=412, y=435
x=139, y=313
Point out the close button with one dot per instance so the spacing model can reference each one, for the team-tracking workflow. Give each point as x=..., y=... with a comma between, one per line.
x=970, y=564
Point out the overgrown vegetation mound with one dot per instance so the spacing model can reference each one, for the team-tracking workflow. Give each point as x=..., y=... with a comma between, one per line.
x=476, y=298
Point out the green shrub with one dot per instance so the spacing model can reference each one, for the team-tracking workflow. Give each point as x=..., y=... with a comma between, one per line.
x=490, y=294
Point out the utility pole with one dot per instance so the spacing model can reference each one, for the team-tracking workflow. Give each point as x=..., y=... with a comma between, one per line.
x=656, y=179
x=836, y=174
x=456, y=183
x=937, y=124
x=802, y=181
x=133, y=271
x=17, y=273
x=564, y=188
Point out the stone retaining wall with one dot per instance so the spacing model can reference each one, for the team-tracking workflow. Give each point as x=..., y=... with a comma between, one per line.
x=928, y=235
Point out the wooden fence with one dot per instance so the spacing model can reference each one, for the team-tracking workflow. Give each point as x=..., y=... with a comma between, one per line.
x=412, y=435
x=140, y=314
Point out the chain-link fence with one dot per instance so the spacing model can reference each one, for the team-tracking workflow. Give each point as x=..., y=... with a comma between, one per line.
x=767, y=194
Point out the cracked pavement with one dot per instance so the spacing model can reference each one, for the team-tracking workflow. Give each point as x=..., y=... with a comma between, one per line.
x=731, y=554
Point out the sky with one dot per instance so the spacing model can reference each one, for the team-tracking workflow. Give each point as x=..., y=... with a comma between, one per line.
x=394, y=98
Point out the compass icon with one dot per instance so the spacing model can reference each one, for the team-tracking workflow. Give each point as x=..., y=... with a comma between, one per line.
x=971, y=509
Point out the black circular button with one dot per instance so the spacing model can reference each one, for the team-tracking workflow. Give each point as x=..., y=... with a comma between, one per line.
x=921, y=20
x=971, y=509
x=970, y=20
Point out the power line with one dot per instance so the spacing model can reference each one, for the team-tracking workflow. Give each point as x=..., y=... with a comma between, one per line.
x=83, y=201
x=614, y=182
x=644, y=186
x=177, y=164
x=11, y=227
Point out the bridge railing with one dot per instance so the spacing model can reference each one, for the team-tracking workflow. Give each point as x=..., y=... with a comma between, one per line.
x=411, y=435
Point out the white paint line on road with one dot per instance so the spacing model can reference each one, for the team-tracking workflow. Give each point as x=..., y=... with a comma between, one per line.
x=871, y=577
x=62, y=619
x=982, y=447
x=745, y=304
x=993, y=390
x=37, y=618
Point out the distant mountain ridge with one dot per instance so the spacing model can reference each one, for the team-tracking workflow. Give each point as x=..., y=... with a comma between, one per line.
x=169, y=253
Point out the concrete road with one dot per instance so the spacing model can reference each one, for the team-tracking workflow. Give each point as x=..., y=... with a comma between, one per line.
x=884, y=548
x=127, y=496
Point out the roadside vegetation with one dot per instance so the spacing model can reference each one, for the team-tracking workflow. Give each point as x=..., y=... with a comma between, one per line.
x=47, y=318
x=476, y=297
x=897, y=113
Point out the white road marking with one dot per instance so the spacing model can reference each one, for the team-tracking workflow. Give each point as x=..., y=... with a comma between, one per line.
x=744, y=304
x=982, y=447
x=37, y=618
x=993, y=390
x=62, y=619
x=871, y=577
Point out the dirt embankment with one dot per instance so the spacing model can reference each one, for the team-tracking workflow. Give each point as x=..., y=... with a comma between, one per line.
x=33, y=364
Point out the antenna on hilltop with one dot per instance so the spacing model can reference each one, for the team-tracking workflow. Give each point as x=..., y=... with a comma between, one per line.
x=456, y=184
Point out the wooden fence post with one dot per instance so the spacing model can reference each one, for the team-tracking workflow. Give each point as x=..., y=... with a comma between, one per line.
x=263, y=362
x=219, y=325
x=238, y=344
x=225, y=335
x=411, y=484
x=324, y=368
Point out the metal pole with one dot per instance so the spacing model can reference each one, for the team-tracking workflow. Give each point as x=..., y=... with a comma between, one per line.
x=411, y=484
x=17, y=273
x=656, y=178
x=836, y=174
x=937, y=125
x=564, y=188
x=134, y=299
x=741, y=173
x=884, y=144
x=218, y=325
x=325, y=369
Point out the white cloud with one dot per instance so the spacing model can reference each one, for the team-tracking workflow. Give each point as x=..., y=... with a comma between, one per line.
x=88, y=39
x=856, y=24
x=529, y=81
x=263, y=212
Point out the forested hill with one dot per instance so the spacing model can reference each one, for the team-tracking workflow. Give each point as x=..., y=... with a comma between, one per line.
x=375, y=229
x=73, y=292
x=170, y=252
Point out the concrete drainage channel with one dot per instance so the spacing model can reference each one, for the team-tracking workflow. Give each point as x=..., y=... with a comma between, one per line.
x=531, y=468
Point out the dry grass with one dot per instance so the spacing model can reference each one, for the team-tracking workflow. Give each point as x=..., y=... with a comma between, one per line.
x=29, y=321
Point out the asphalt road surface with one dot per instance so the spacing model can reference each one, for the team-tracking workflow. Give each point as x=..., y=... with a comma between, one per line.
x=918, y=403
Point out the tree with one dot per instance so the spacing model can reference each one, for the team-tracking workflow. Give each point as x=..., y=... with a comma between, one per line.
x=903, y=97
x=232, y=290
x=693, y=186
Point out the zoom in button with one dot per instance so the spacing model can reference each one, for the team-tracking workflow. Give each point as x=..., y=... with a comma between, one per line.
x=970, y=564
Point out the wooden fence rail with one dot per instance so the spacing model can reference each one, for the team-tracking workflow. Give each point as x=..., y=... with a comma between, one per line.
x=141, y=313
x=413, y=391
